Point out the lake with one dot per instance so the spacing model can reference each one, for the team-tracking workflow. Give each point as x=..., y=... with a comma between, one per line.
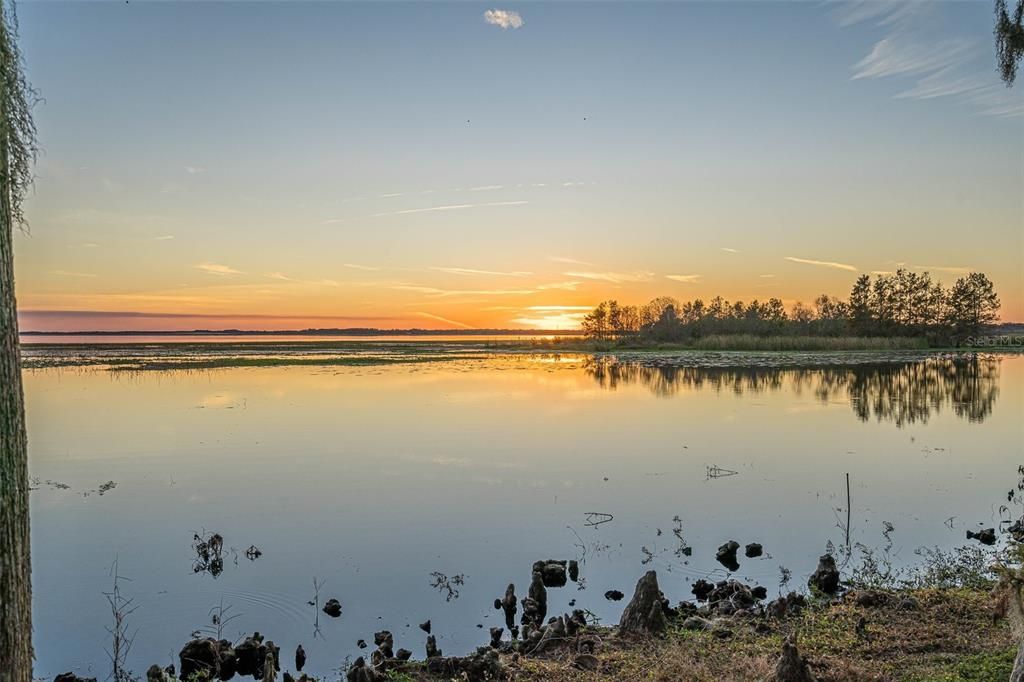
x=370, y=477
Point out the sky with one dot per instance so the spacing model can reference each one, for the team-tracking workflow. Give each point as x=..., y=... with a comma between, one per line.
x=292, y=165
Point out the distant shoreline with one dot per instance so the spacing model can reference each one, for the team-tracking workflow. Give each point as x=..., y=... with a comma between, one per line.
x=357, y=331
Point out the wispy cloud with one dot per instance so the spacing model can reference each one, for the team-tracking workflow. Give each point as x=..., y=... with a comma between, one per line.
x=163, y=238
x=895, y=57
x=505, y=18
x=952, y=269
x=822, y=263
x=559, y=308
x=354, y=266
x=613, y=277
x=485, y=188
x=766, y=276
x=434, y=291
x=472, y=271
x=686, y=279
x=194, y=170
x=431, y=316
x=954, y=66
x=728, y=250
x=280, y=275
x=217, y=269
x=68, y=273
x=332, y=221
x=449, y=207
x=566, y=259
x=565, y=286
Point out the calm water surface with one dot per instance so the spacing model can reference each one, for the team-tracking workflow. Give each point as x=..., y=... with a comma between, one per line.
x=373, y=478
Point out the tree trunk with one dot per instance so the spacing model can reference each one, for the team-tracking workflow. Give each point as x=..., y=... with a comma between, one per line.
x=15, y=567
x=1017, y=675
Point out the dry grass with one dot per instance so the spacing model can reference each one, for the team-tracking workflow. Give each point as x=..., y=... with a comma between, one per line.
x=952, y=635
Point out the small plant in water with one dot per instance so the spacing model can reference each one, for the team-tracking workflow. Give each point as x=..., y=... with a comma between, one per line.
x=444, y=584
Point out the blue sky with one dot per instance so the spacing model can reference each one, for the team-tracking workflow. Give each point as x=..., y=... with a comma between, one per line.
x=413, y=161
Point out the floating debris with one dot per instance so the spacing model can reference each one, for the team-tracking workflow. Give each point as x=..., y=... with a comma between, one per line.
x=726, y=555
x=613, y=595
x=209, y=551
x=253, y=553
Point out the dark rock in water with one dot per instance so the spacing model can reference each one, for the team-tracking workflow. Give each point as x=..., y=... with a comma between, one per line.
x=496, y=634
x=613, y=595
x=825, y=578
x=432, y=650
x=701, y=589
x=497, y=604
x=985, y=537
x=535, y=606
x=645, y=613
x=300, y=658
x=726, y=555
x=552, y=572
x=425, y=627
x=157, y=674
x=362, y=644
x=385, y=642
x=251, y=656
x=332, y=608
x=508, y=605
x=555, y=631
x=753, y=550
x=759, y=592
x=514, y=632
x=729, y=596
x=71, y=677
x=574, y=570
x=199, y=657
x=791, y=666
x=403, y=654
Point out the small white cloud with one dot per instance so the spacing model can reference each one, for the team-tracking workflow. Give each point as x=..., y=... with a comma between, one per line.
x=472, y=271
x=822, y=263
x=431, y=316
x=505, y=18
x=614, y=277
x=163, y=238
x=332, y=221
x=566, y=259
x=217, y=269
x=280, y=275
x=66, y=273
x=360, y=267
x=728, y=250
x=194, y=170
x=686, y=279
x=766, y=276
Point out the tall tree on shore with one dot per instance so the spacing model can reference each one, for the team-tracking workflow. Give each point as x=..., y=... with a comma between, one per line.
x=17, y=153
x=1009, y=40
x=973, y=303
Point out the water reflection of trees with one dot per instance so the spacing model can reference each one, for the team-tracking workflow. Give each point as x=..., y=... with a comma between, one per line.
x=903, y=392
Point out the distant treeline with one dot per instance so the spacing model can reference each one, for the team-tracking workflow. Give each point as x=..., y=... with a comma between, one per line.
x=902, y=304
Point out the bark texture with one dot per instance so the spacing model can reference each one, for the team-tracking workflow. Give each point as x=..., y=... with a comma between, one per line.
x=15, y=566
x=1017, y=675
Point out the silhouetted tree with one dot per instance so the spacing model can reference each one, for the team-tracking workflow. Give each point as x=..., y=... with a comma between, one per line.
x=17, y=153
x=972, y=303
x=1009, y=40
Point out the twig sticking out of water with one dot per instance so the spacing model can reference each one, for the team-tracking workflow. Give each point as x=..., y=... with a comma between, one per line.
x=317, y=586
x=121, y=644
x=443, y=583
x=220, y=616
x=594, y=519
x=718, y=472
